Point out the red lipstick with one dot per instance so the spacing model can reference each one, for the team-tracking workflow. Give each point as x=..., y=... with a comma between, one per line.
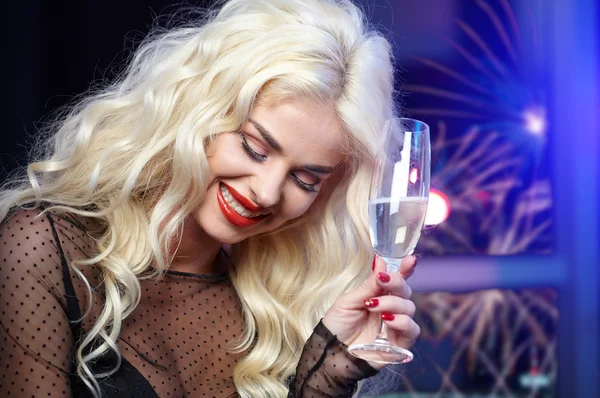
x=231, y=215
x=242, y=199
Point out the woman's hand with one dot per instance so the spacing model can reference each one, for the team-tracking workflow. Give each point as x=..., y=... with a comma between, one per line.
x=355, y=316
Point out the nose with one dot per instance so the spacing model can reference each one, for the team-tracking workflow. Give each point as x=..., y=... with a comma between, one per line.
x=267, y=187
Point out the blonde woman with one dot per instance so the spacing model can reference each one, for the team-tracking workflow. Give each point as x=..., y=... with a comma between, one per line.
x=198, y=227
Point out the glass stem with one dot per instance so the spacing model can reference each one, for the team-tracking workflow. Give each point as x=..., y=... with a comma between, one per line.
x=382, y=335
x=392, y=267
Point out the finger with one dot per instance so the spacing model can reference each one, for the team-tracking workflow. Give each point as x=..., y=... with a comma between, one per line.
x=394, y=284
x=374, y=286
x=369, y=288
x=407, y=266
x=404, y=326
x=379, y=265
x=391, y=304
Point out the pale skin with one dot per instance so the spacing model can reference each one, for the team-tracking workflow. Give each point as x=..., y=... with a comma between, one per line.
x=279, y=162
x=352, y=321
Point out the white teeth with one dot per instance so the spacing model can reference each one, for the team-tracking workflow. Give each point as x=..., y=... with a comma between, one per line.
x=241, y=210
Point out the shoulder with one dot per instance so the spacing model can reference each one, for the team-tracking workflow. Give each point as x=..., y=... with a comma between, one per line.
x=36, y=332
x=28, y=250
x=36, y=242
x=24, y=232
x=20, y=219
x=34, y=229
x=37, y=251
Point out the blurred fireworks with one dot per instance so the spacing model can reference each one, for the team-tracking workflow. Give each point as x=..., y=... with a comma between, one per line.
x=487, y=108
x=488, y=116
x=495, y=334
x=494, y=211
x=493, y=86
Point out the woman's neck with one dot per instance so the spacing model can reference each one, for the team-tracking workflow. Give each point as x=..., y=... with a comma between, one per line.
x=197, y=251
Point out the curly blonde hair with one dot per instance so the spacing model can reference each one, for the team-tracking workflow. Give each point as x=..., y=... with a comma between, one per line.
x=115, y=154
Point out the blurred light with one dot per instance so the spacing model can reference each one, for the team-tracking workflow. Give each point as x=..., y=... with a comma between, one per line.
x=438, y=208
x=483, y=196
x=535, y=381
x=535, y=121
x=414, y=176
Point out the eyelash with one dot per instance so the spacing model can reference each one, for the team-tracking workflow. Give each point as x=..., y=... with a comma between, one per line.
x=261, y=158
x=251, y=152
x=303, y=185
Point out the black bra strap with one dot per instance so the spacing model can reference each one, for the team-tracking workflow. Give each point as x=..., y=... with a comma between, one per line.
x=73, y=312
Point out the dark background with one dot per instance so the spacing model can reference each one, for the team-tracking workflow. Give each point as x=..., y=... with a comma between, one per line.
x=55, y=50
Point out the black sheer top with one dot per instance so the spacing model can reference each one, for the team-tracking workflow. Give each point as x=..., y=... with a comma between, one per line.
x=174, y=344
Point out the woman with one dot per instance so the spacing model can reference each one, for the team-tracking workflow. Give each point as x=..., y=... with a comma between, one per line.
x=198, y=228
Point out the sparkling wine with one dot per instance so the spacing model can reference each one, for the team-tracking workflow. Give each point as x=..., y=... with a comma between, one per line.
x=396, y=225
x=398, y=196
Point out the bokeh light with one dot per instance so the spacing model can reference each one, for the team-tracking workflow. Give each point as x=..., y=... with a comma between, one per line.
x=438, y=208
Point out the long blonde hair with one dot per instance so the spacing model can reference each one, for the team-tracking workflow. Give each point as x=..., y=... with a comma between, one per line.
x=115, y=154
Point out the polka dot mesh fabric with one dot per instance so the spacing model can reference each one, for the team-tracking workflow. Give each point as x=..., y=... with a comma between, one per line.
x=326, y=369
x=175, y=343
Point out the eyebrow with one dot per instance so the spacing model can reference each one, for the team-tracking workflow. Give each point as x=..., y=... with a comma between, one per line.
x=318, y=169
x=275, y=145
x=267, y=136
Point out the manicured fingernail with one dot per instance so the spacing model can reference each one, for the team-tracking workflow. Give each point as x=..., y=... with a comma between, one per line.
x=383, y=277
x=386, y=316
x=372, y=302
x=374, y=262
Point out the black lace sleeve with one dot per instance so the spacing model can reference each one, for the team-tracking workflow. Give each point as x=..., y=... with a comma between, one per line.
x=36, y=340
x=327, y=369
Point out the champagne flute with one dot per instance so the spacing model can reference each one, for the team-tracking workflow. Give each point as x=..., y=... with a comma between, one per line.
x=397, y=206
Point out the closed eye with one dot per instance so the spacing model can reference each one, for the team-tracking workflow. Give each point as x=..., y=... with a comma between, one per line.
x=310, y=187
x=254, y=154
x=299, y=177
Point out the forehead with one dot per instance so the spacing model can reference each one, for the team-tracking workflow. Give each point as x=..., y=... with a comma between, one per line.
x=302, y=127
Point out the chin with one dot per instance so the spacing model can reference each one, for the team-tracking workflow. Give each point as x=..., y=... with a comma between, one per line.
x=229, y=239
x=216, y=229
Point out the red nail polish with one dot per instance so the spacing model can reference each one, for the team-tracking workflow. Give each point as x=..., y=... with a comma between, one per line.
x=383, y=277
x=374, y=262
x=386, y=316
x=372, y=302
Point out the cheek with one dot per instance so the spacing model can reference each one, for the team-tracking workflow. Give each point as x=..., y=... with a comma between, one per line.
x=226, y=161
x=224, y=147
x=298, y=205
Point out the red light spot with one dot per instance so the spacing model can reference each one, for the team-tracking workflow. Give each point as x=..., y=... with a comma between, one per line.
x=438, y=207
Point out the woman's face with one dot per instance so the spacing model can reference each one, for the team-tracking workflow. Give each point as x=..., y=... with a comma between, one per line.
x=271, y=171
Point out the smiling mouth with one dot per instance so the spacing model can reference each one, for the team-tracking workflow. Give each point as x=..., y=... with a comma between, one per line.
x=237, y=209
